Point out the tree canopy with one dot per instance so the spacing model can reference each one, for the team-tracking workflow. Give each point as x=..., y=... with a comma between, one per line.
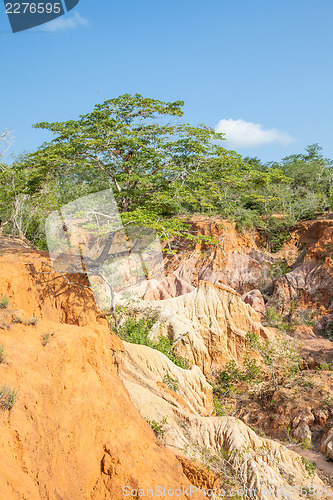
x=157, y=166
x=161, y=171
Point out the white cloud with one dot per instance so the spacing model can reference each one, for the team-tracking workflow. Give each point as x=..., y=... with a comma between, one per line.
x=248, y=134
x=66, y=22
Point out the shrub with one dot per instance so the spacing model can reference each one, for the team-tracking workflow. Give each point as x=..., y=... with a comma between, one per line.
x=46, y=339
x=8, y=398
x=252, y=370
x=219, y=409
x=278, y=355
x=278, y=232
x=274, y=319
x=4, y=302
x=279, y=268
x=170, y=382
x=27, y=322
x=248, y=220
x=323, y=366
x=137, y=331
x=31, y=322
x=310, y=467
x=2, y=355
x=232, y=374
x=158, y=426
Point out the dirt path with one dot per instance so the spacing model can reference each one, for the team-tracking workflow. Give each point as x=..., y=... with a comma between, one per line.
x=313, y=456
x=317, y=458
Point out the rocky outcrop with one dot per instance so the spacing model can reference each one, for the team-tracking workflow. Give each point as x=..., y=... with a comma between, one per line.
x=236, y=260
x=158, y=377
x=168, y=287
x=78, y=428
x=241, y=262
x=211, y=322
x=256, y=301
x=327, y=445
x=74, y=432
x=198, y=474
x=311, y=279
x=34, y=287
x=225, y=443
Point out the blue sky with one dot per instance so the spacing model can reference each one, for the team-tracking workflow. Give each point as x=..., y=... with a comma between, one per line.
x=261, y=71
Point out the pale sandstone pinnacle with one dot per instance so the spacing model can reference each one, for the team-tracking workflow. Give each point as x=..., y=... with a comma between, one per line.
x=214, y=321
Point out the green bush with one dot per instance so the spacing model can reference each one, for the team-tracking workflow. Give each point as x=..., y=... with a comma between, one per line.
x=219, y=409
x=232, y=374
x=170, y=382
x=324, y=366
x=136, y=331
x=158, y=426
x=310, y=467
x=247, y=220
x=274, y=319
x=278, y=232
x=279, y=268
x=279, y=355
x=46, y=339
x=4, y=302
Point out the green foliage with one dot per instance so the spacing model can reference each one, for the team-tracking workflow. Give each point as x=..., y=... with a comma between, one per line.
x=161, y=171
x=248, y=220
x=277, y=232
x=327, y=402
x=137, y=331
x=279, y=268
x=8, y=398
x=252, y=371
x=154, y=163
x=232, y=374
x=158, y=167
x=219, y=409
x=275, y=319
x=4, y=302
x=324, y=366
x=170, y=382
x=279, y=355
x=305, y=444
x=310, y=467
x=158, y=426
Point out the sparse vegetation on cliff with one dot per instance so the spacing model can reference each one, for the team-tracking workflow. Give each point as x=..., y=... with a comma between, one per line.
x=3, y=355
x=136, y=330
x=158, y=426
x=4, y=302
x=8, y=398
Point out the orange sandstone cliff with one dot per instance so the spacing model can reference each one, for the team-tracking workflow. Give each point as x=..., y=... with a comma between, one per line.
x=73, y=431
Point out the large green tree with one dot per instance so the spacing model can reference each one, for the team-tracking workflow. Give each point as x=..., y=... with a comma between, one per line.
x=157, y=166
x=160, y=169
